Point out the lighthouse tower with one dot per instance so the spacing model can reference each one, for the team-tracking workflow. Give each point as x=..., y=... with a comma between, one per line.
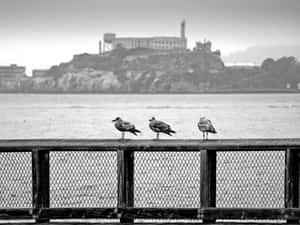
x=182, y=35
x=182, y=29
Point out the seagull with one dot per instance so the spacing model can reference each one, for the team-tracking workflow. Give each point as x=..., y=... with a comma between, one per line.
x=160, y=127
x=125, y=126
x=205, y=126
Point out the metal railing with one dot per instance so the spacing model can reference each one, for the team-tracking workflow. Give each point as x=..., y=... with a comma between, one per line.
x=256, y=179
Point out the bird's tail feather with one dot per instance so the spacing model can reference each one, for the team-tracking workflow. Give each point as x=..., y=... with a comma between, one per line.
x=170, y=132
x=135, y=131
x=213, y=130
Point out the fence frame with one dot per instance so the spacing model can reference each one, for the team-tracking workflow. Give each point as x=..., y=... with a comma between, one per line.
x=125, y=210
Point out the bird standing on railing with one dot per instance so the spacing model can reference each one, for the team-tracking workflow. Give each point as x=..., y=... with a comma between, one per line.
x=125, y=126
x=205, y=126
x=160, y=127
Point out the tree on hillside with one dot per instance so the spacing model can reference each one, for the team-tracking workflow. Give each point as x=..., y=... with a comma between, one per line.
x=267, y=64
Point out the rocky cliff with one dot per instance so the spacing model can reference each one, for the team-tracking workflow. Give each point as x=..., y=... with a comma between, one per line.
x=153, y=71
x=136, y=70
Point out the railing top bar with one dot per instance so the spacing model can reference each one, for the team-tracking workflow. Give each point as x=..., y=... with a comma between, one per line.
x=141, y=145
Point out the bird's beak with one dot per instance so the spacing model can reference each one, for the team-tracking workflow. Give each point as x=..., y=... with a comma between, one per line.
x=113, y=121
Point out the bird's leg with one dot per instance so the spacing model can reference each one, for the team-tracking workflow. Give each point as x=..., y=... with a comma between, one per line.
x=206, y=135
x=157, y=136
x=123, y=135
x=203, y=136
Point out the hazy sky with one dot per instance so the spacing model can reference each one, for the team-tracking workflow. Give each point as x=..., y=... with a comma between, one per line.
x=41, y=33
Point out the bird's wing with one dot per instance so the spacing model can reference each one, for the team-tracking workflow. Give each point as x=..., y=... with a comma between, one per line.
x=211, y=127
x=203, y=119
x=153, y=127
x=203, y=125
x=127, y=126
x=162, y=126
x=119, y=126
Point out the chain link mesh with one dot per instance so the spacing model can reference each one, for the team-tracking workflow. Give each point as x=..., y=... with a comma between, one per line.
x=83, y=179
x=253, y=179
x=167, y=179
x=15, y=180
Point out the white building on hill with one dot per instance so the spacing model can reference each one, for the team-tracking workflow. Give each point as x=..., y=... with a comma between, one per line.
x=111, y=41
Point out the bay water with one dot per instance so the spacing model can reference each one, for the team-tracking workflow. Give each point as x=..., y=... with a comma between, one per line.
x=89, y=116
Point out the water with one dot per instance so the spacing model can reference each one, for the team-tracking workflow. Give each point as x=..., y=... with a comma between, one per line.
x=89, y=116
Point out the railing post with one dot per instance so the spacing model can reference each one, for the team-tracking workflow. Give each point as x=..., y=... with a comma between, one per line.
x=292, y=180
x=40, y=182
x=207, y=180
x=125, y=182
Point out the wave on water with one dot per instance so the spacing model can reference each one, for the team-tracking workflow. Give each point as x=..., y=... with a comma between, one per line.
x=138, y=107
x=283, y=106
x=126, y=106
x=108, y=106
x=177, y=107
x=77, y=107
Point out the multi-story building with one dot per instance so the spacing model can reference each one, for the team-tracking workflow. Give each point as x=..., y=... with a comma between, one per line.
x=111, y=41
x=12, y=71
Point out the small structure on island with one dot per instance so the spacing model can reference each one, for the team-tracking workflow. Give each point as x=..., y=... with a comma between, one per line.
x=39, y=73
x=205, y=46
x=12, y=72
x=11, y=77
x=100, y=47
